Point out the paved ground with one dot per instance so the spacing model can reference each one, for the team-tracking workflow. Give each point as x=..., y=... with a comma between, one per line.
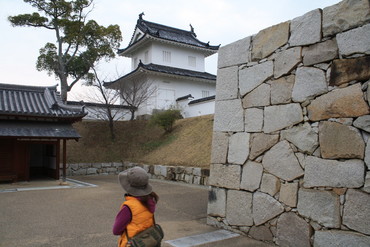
x=83, y=216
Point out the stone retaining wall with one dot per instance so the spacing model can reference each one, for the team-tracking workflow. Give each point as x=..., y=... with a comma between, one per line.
x=291, y=147
x=190, y=175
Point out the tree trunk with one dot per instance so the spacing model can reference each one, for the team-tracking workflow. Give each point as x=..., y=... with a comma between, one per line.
x=63, y=87
x=111, y=123
x=132, y=115
x=111, y=129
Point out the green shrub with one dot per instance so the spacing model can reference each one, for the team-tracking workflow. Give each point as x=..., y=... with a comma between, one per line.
x=166, y=119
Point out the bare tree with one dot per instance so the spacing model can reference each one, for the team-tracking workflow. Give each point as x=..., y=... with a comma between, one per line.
x=106, y=97
x=136, y=91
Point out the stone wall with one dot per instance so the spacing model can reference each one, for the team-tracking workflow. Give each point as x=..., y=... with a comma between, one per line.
x=291, y=147
x=190, y=175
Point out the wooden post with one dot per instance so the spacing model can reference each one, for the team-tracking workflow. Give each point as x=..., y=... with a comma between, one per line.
x=57, y=154
x=64, y=159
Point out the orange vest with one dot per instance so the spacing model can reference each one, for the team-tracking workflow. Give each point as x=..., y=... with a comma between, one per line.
x=141, y=219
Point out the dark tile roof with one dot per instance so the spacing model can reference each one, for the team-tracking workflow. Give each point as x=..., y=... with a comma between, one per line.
x=184, y=97
x=28, y=129
x=167, y=33
x=171, y=71
x=202, y=100
x=31, y=102
x=93, y=104
x=177, y=71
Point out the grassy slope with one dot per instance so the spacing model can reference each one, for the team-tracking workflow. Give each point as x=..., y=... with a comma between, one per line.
x=188, y=145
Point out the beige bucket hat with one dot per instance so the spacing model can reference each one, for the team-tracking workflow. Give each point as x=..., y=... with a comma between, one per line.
x=135, y=181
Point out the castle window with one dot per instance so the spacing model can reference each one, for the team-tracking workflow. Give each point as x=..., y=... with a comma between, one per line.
x=205, y=94
x=167, y=56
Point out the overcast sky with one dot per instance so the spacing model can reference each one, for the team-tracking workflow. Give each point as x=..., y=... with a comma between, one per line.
x=217, y=21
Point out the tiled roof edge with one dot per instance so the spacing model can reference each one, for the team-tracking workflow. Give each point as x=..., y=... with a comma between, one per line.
x=185, y=97
x=144, y=26
x=154, y=68
x=202, y=99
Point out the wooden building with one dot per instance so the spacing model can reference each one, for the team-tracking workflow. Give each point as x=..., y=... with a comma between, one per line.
x=34, y=127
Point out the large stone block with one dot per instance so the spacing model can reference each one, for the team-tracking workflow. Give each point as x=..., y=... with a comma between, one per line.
x=216, y=202
x=91, y=171
x=261, y=233
x=265, y=207
x=363, y=123
x=293, y=231
x=261, y=142
x=281, y=90
x=354, y=41
x=226, y=176
x=252, y=77
x=251, y=176
x=345, y=15
x=289, y=194
x=286, y=61
x=88, y=165
x=239, y=208
x=73, y=167
x=99, y=165
x=340, y=141
x=160, y=170
x=333, y=173
x=270, y=184
x=220, y=144
x=116, y=164
x=356, y=212
x=281, y=116
x=303, y=137
x=235, y=53
x=309, y=82
x=302, y=158
x=229, y=116
x=320, y=52
x=281, y=162
x=253, y=120
x=189, y=170
x=112, y=170
x=238, y=148
x=366, y=187
x=260, y=96
x=346, y=70
x=196, y=180
x=335, y=238
x=306, y=29
x=270, y=39
x=320, y=206
x=227, y=83
x=82, y=171
x=367, y=154
x=197, y=171
x=339, y=103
